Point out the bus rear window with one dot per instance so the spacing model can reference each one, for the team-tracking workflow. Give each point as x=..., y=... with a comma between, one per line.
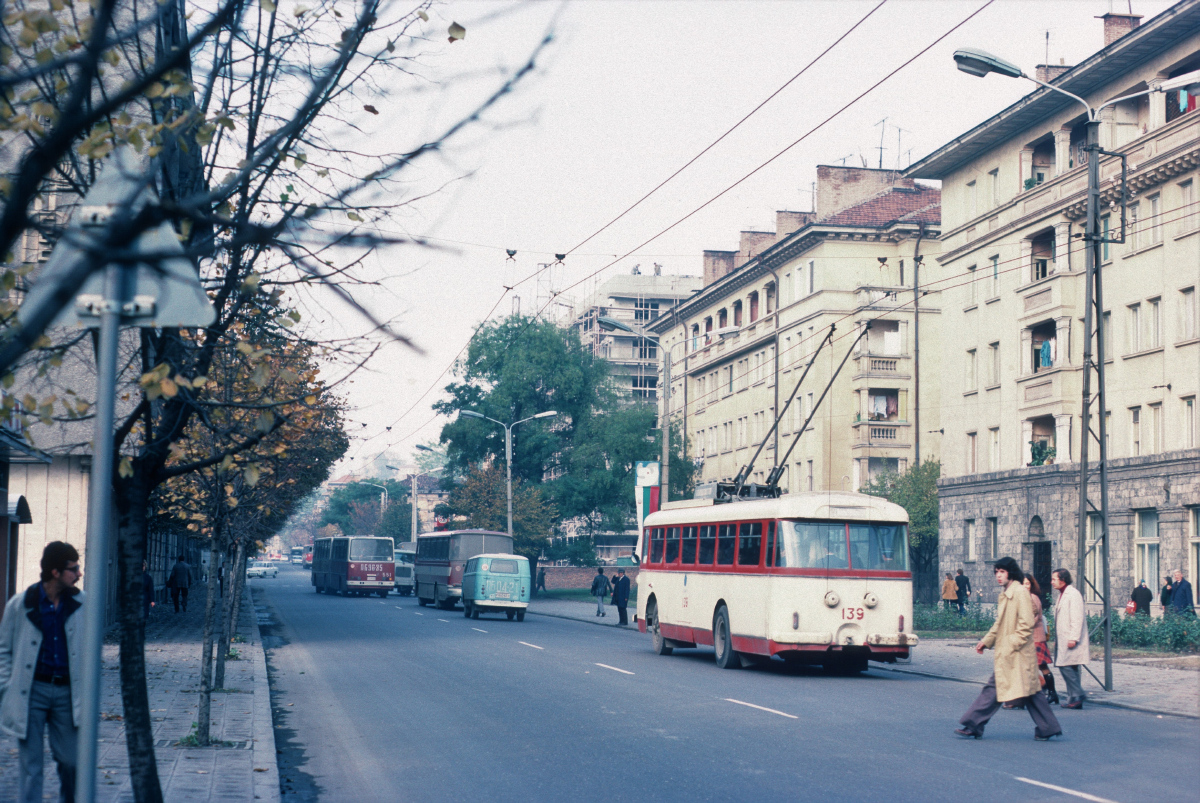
x=726, y=541
x=833, y=545
x=503, y=567
x=371, y=549
x=878, y=546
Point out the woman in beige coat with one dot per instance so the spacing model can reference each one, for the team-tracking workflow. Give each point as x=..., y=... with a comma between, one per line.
x=1016, y=675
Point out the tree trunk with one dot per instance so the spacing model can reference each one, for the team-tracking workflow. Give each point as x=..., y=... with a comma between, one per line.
x=228, y=606
x=132, y=506
x=204, y=715
x=239, y=587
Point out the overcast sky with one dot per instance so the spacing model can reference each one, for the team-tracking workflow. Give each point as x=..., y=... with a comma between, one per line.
x=625, y=95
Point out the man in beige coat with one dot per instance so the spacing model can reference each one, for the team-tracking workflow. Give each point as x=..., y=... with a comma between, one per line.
x=1070, y=635
x=1016, y=675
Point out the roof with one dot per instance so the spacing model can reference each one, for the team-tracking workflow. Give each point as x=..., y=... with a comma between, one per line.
x=897, y=204
x=1122, y=56
x=830, y=505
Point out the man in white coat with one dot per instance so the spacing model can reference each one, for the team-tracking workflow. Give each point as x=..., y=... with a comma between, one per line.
x=1071, y=635
x=41, y=639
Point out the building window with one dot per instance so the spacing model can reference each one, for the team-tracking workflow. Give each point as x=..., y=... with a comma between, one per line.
x=708, y=327
x=1044, y=340
x=994, y=187
x=994, y=449
x=972, y=200
x=1135, y=328
x=1107, y=335
x=811, y=486
x=995, y=260
x=1042, y=254
x=970, y=536
x=971, y=452
x=647, y=349
x=645, y=387
x=1134, y=237
x=1092, y=560
x=993, y=364
x=1135, y=431
x=737, y=313
x=1187, y=206
x=1187, y=313
x=1181, y=101
x=1147, y=546
x=722, y=319
x=1154, y=441
x=1154, y=221
x=645, y=311
x=993, y=538
x=972, y=291
x=972, y=371
x=883, y=404
x=1153, y=323
x=1189, y=422
x=1193, y=546
x=812, y=277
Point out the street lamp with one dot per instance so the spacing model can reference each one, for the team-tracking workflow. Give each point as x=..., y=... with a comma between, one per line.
x=412, y=495
x=979, y=63
x=508, y=428
x=382, y=500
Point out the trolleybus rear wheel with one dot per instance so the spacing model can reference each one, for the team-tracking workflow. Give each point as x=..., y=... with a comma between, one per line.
x=521, y=616
x=723, y=640
x=661, y=645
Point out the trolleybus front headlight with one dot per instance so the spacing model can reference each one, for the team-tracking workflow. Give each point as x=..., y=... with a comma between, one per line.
x=832, y=599
x=870, y=600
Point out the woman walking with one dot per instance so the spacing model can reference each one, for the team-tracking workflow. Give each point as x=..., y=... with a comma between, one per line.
x=949, y=592
x=1039, y=639
x=1016, y=675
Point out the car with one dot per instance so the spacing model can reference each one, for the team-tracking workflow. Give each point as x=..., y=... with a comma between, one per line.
x=261, y=568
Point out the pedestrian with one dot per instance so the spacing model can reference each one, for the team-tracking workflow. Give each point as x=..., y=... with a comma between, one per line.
x=147, y=590
x=41, y=636
x=179, y=582
x=1040, y=639
x=1070, y=636
x=964, y=591
x=620, y=597
x=1015, y=676
x=600, y=586
x=541, y=581
x=949, y=592
x=1164, y=596
x=1181, y=596
x=1142, y=596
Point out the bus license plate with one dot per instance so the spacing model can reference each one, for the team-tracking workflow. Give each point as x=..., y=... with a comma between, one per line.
x=501, y=595
x=370, y=577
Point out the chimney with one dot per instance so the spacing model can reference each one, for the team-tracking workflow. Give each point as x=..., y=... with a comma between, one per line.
x=788, y=222
x=1117, y=25
x=1049, y=72
x=717, y=264
x=840, y=188
x=753, y=243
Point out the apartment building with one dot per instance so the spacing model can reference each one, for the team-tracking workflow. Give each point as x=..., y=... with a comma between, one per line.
x=738, y=348
x=1014, y=191
x=634, y=300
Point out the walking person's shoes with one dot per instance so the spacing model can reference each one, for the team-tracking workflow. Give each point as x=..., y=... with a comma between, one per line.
x=968, y=734
x=1013, y=706
x=1074, y=703
x=1037, y=738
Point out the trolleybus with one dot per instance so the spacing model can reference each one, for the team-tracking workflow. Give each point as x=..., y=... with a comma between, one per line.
x=441, y=557
x=356, y=564
x=814, y=577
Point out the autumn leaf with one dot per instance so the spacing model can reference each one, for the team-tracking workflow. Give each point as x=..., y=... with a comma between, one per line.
x=125, y=469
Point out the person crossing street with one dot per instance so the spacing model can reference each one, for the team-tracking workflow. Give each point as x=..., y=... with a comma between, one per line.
x=600, y=588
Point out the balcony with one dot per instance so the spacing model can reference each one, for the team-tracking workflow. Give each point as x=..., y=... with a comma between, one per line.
x=877, y=434
x=882, y=366
x=883, y=298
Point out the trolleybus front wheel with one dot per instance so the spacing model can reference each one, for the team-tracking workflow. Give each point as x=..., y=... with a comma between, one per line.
x=723, y=641
x=661, y=645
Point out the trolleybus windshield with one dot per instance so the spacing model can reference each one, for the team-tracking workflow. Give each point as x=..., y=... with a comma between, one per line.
x=371, y=549
x=838, y=545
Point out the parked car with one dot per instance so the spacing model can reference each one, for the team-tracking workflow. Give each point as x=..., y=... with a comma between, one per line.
x=261, y=568
x=496, y=583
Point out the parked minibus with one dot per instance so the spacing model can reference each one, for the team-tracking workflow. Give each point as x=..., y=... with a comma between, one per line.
x=496, y=584
x=441, y=558
x=353, y=565
x=815, y=577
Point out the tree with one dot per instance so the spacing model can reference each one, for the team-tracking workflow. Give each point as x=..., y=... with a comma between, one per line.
x=339, y=511
x=481, y=501
x=916, y=491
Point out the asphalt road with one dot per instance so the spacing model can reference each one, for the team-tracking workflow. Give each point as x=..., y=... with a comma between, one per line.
x=388, y=701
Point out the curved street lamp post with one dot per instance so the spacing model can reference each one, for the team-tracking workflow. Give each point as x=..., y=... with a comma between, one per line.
x=508, y=428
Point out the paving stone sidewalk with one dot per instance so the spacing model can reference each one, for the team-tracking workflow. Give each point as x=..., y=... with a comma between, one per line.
x=1149, y=688
x=243, y=769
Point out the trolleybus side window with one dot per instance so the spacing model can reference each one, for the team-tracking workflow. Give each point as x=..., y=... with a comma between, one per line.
x=687, y=550
x=750, y=544
x=656, y=545
x=708, y=544
x=672, y=550
x=726, y=541
x=772, y=546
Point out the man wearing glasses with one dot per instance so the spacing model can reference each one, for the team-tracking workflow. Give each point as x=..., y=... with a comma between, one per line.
x=40, y=638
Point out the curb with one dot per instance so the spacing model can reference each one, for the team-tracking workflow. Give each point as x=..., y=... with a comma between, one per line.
x=632, y=626
x=1091, y=700
x=265, y=785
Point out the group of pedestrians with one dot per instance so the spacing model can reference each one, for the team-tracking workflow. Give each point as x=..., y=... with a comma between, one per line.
x=1022, y=678
x=956, y=592
x=617, y=590
x=1175, y=596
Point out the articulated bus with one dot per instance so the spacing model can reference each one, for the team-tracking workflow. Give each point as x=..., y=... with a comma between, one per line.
x=441, y=557
x=357, y=564
x=814, y=577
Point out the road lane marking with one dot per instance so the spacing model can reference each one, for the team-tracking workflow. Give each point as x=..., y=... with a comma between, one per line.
x=476, y=628
x=418, y=613
x=527, y=644
x=1065, y=790
x=443, y=620
x=761, y=708
x=613, y=668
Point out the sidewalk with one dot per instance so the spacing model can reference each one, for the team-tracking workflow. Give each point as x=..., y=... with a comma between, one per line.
x=241, y=770
x=1141, y=687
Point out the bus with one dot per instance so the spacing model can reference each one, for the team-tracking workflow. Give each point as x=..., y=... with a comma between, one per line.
x=814, y=577
x=297, y=555
x=406, y=555
x=353, y=565
x=441, y=557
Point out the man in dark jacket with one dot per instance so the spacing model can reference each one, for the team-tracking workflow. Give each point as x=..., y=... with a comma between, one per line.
x=178, y=582
x=620, y=597
x=1142, y=597
x=1164, y=596
x=1181, y=596
x=600, y=587
x=964, y=590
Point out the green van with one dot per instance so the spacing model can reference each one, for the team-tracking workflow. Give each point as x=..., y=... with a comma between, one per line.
x=494, y=583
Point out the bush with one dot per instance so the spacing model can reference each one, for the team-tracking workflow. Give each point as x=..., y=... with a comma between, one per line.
x=939, y=620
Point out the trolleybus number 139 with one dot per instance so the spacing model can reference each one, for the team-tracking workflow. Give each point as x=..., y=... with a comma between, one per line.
x=852, y=613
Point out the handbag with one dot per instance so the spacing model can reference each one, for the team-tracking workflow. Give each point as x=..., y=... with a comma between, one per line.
x=1130, y=608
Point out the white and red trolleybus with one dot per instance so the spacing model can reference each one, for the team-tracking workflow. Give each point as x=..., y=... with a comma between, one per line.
x=356, y=564
x=815, y=577
x=441, y=557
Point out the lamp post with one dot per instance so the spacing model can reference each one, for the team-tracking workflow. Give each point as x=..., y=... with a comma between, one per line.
x=979, y=63
x=508, y=428
x=382, y=500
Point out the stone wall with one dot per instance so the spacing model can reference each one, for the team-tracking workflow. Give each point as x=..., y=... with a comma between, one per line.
x=579, y=577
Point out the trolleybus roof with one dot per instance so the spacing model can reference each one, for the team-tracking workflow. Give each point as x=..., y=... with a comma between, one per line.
x=835, y=505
